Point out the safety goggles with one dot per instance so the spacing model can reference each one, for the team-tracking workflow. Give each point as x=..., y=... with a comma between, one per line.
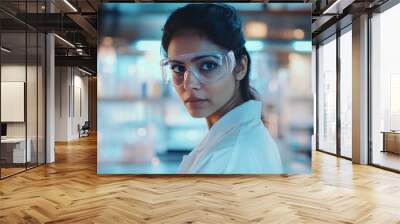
x=206, y=67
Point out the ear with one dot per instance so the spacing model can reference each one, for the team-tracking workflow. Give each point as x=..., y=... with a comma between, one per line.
x=241, y=68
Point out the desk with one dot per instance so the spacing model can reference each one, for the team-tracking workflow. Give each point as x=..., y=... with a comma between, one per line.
x=391, y=141
x=16, y=147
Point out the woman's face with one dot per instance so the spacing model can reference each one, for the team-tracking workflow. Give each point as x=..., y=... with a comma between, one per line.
x=201, y=100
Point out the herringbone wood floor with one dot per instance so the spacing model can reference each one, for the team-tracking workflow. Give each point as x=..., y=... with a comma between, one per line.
x=70, y=191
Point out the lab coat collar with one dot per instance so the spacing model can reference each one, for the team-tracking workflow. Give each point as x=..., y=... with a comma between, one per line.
x=245, y=112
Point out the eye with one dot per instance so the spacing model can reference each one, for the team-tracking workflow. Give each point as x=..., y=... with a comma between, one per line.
x=178, y=69
x=208, y=66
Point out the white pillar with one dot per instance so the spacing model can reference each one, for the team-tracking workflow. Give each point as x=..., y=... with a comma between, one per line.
x=50, y=91
x=360, y=90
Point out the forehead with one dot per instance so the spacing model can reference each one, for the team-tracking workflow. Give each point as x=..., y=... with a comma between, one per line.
x=188, y=43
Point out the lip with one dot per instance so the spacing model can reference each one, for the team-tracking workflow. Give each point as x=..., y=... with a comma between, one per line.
x=193, y=99
x=195, y=102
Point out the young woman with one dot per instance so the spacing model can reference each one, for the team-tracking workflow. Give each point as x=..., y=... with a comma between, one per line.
x=206, y=59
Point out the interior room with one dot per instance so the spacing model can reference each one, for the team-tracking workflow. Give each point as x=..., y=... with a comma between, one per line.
x=331, y=100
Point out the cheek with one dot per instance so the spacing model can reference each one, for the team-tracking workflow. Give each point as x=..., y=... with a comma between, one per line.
x=221, y=92
x=179, y=90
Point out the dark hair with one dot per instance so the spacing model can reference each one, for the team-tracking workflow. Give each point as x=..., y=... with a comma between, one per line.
x=220, y=24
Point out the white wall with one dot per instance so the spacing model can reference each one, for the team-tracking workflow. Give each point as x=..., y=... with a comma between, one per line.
x=81, y=100
x=12, y=73
x=61, y=103
x=71, y=93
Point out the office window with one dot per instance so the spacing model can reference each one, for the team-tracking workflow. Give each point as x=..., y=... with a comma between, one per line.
x=346, y=94
x=385, y=84
x=327, y=96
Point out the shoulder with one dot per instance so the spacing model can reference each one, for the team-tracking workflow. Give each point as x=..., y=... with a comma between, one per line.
x=255, y=137
x=248, y=149
x=256, y=151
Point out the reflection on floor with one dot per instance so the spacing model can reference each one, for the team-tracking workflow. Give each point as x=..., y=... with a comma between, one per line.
x=387, y=159
x=10, y=169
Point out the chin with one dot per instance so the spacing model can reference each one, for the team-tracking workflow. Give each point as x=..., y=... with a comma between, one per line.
x=197, y=113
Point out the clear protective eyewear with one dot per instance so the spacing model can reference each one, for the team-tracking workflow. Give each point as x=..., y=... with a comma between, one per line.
x=206, y=67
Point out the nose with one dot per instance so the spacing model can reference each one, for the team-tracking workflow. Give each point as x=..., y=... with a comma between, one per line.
x=190, y=81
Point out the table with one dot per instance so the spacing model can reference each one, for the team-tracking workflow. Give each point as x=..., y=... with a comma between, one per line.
x=391, y=141
x=16, y=147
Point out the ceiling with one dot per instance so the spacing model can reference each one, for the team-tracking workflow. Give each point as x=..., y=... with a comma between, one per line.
x=76, y=21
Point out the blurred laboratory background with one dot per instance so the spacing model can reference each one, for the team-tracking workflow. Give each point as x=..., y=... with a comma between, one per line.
x=143, y=128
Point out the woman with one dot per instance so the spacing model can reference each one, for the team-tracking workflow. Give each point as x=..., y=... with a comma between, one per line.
x=205, y=57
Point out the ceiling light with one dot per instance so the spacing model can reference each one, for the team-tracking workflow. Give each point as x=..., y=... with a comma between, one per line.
x=338, y=6
x=70, y=5
x=84, y=71
x=65, y=41
x=5, y=49
x=331, y=7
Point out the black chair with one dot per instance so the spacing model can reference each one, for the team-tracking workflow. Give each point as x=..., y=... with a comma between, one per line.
x=84, y=130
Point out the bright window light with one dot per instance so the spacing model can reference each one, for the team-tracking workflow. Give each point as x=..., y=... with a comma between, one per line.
x=64, y=40
x=84, y=71
x=5, y=50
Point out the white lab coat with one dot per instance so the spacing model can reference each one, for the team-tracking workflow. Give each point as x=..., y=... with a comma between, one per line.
x=238, y=143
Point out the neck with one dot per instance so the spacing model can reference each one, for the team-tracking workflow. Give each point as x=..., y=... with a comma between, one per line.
x=235, y=101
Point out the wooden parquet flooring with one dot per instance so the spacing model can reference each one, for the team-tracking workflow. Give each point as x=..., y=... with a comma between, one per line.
x=70, y=191
x=10, y=171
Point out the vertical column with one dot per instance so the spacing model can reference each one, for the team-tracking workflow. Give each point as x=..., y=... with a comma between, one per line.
x=360, y=90
x=314, y=91
x=50, y=92
x=92, y=100
x=338, y=99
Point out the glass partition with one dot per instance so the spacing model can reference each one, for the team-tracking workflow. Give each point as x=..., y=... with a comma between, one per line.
x=22, y=89
x=13, y=109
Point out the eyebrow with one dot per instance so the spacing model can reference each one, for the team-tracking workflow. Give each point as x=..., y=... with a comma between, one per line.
x=193, y=59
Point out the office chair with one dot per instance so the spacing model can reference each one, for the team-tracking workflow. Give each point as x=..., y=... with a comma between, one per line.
x=84, y=130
